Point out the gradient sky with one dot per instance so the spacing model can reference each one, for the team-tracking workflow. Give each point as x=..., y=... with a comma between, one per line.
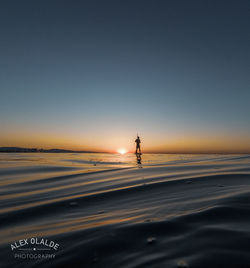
x=92, y=74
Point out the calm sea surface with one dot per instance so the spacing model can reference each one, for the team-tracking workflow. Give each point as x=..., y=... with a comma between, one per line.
x=112, y=210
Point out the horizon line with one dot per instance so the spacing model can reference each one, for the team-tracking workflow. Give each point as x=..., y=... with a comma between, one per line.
x=113, y=152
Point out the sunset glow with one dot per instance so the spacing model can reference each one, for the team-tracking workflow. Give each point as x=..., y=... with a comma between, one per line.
x=122, y=151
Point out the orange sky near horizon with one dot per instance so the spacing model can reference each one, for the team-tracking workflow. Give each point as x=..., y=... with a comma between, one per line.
x=107, y=142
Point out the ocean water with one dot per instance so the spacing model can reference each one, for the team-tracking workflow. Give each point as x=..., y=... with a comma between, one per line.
x=108, y=210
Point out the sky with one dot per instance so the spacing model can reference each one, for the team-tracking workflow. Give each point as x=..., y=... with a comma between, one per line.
x=90, y=75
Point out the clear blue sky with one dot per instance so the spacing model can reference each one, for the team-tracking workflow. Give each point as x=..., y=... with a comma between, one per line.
x=91, y=74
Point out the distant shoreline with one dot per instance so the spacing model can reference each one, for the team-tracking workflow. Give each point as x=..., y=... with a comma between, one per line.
x=35, y=150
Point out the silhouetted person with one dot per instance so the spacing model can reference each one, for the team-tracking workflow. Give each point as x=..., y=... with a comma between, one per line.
x=138, y=147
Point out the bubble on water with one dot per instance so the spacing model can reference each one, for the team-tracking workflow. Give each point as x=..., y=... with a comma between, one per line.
x=73, y=204
x=182, y=264
x=151, y=240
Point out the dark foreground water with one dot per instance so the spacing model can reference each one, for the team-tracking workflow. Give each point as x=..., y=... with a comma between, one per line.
x=104, y=210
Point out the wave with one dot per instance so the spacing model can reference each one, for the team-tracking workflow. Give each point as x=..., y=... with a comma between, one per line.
x=192, y=214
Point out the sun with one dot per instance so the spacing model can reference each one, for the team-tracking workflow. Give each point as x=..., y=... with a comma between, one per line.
x=122, y=151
